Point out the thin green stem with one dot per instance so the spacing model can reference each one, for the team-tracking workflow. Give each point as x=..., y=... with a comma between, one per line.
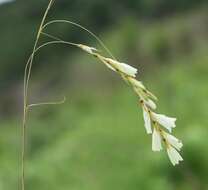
x=46, y=103
x=27, y=74
x=83, y=28
x=51, y=36
x=58, y=41
x=35, y=45
x=53, y=42
x=26, y=106
x=23, y=150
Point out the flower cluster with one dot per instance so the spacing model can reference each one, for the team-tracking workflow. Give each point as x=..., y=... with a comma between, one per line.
x=155, y=124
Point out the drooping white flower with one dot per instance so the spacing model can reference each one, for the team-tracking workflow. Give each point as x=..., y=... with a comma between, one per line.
x=165, y=121
x=173, y=141
x=122, y=67
x=156, y=140
x=173, y=155
x=88, y=49
x=150, y=104
x=147, y=120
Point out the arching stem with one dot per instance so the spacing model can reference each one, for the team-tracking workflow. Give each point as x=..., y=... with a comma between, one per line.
x=27, y=74
x=83, y=28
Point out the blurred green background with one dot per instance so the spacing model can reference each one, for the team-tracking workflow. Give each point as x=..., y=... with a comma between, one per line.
x=96, y=140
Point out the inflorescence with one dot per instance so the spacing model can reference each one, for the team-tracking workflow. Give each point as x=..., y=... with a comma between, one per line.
x=155, y=124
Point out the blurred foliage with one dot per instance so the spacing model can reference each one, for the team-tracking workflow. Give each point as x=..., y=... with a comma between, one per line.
x=97, y=139
x=21, y=19
x=133, y=37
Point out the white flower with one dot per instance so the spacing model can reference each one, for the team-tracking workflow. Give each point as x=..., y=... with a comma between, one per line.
x=88, y=49
x=136, y=83
x=147, y=120
x=173, y=155
x=150, y=104
x=156, y=140
x=165, y=121
x=173, y=141
x=122, y=67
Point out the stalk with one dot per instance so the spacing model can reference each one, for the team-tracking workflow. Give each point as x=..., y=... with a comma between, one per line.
x=27, y=75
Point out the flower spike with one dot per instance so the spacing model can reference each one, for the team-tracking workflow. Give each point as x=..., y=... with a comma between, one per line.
x=154, y=123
